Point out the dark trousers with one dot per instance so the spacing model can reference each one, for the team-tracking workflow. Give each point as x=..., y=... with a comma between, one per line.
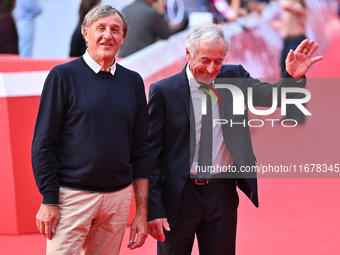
x=210, y=212
x=288, y=44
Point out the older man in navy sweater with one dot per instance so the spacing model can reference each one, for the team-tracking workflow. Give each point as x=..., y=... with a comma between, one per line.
x=90, y=144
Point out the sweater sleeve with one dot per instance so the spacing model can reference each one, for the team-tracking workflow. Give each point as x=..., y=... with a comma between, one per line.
x=45, y=139
x=140, y=147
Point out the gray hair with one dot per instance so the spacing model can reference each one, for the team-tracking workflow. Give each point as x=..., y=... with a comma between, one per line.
x=101, y=12
x=208, y=33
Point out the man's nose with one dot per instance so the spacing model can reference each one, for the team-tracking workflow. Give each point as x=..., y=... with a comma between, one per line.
x=107, y=34
x=211, y=68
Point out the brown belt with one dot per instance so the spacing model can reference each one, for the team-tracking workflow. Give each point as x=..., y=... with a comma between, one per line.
x=203, y=181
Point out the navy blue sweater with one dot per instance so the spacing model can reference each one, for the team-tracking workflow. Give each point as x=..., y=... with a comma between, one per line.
x=91, y=130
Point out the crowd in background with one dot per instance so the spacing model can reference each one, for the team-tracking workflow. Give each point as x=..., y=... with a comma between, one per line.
x=149, y=20
x=17, y=21
x=8, y=30
x=17, y=26
x=78, y=45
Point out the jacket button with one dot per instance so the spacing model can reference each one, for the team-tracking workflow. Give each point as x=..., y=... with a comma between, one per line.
x=183, y=178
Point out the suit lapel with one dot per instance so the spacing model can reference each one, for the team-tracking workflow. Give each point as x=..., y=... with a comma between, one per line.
x=184, y=92
x=227, y=102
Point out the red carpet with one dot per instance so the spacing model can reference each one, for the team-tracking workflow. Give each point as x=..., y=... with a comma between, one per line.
x=296, y=215
x=299, y=215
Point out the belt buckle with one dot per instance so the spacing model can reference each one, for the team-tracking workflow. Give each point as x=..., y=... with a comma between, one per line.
x=201, y=182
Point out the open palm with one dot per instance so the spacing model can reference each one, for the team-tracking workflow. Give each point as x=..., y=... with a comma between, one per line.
x=299, y=61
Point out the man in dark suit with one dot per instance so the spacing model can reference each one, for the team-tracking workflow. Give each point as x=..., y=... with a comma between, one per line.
x=205, y=206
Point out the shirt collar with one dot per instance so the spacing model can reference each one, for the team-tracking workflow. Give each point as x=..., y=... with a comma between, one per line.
x=192, y=81
x=95, y=66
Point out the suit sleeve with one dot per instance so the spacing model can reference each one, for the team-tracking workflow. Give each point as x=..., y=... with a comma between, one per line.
x=262, y=91
x=156, y=129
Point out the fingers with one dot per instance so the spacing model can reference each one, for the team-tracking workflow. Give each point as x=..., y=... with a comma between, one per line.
x=47, y=219
x=152, y=231
x=156, y=226
x=138, y=233
x=140, y=240
x=312, y=50
x=166, y=225
x=290, y=56
x=156, y=230
x=44, y=228
x=308, y=47
x=300, y=48
x=132, y=237
x=48, y=231
x=316, y=59
x=40, y=226
x=54, y=226
x=137, y=237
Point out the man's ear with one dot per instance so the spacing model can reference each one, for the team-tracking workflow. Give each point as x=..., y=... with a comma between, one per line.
x=124, y=37
x=187, y=53
x=85, y=33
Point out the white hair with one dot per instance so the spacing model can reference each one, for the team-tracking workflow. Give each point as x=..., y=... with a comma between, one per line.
x=209, y=33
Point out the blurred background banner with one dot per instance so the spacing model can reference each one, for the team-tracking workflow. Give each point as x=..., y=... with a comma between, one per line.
x=55, y=25
x=254, y=44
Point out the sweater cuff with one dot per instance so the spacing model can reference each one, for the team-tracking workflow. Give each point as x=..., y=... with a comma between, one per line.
x=51, y=198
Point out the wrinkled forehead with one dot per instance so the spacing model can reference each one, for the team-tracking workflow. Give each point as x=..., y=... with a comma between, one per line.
x=209, y=46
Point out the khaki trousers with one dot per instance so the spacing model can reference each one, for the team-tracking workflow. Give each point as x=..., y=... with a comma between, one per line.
x=90, y=223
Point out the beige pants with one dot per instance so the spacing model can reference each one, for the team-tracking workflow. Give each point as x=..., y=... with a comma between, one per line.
x=90, y=223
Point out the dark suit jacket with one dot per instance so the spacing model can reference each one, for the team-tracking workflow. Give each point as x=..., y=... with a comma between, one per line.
x=171, y=153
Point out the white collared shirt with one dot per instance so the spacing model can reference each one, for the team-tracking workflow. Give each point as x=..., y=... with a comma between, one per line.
x=220, y=154
x=95, y=66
